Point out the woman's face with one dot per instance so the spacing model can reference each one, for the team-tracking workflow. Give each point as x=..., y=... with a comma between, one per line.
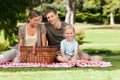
x=35, y=20
x=52, y=18
x=69, y=34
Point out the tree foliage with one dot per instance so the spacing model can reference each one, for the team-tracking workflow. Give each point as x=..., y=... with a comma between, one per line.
x=94, y=4
x=111, y=6
x=10, y=12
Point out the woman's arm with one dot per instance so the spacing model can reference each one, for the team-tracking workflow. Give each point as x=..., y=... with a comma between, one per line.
x=43, y=34
x=20, y=37
x=20, y=43
x=43, y=39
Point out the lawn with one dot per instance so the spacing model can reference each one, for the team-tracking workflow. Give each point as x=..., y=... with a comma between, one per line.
x=104, y=42
x=62, y=75
x=102, y=38
x=1, y=36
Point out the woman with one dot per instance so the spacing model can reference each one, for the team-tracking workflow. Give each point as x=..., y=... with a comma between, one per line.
x=30, y=34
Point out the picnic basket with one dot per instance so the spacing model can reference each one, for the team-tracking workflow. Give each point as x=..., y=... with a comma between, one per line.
x=43, y=54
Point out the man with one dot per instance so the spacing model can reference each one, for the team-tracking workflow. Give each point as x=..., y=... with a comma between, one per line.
x=54, y=28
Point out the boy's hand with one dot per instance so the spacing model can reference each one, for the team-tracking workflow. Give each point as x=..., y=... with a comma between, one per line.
x=65, y=59
x=73, y=60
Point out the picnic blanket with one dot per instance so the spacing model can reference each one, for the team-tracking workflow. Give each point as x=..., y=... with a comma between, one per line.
x=67, y=65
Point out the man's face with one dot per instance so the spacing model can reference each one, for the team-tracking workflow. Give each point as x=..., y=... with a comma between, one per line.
x=52, y=17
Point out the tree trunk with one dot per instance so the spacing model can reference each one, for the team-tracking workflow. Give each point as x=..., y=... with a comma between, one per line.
x=112, y=18
x=67, y=18
x=41, y=1
x=71, y=11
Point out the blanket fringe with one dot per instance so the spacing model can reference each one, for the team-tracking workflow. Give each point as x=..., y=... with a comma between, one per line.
x=67, y=65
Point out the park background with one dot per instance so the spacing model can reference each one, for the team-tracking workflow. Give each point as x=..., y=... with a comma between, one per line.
x=97, y=24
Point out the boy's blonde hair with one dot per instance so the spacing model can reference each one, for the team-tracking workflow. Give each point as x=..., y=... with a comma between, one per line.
x=69, y=27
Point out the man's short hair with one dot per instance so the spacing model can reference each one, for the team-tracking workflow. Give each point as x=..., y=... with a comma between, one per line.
x=50, y=9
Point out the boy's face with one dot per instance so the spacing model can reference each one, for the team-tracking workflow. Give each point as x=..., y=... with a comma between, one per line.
x=52, y=17
x=69, y=34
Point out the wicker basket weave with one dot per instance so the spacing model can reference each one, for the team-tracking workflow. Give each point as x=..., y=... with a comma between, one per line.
x=45, y=54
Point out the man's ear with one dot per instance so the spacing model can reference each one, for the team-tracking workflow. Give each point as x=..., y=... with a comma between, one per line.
x=57, y=15
x=41, y=18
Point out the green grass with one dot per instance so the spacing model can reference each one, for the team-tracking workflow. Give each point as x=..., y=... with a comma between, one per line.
x=58, y=75
x=102, y=38
x=104, y=42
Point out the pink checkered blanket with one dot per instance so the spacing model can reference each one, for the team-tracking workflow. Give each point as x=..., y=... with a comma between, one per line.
x=77, y=64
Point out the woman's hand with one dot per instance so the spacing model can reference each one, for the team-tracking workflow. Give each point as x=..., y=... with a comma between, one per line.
x=33, y=50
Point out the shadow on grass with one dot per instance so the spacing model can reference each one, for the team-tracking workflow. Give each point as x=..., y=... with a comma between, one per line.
x=92, y=51
x=108, y=56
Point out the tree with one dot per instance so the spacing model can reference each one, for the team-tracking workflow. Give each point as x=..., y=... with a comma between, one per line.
x=12, y=11
x=111, y=7
x=71, y=11
x=91, y=5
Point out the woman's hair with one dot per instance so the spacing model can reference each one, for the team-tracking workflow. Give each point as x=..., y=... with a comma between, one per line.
x=69, y=27
x=33, y=13
x=50, y=9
